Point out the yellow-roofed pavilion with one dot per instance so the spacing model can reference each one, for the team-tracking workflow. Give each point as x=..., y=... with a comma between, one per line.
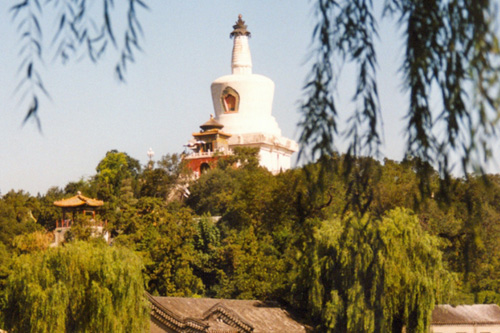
x=77, y=204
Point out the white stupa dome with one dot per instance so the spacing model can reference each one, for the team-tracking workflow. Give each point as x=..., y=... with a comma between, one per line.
x=243, y=101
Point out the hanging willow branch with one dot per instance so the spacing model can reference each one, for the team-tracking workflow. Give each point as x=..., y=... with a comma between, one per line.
x=27, y=15
x=450, y=70
x=80, y=32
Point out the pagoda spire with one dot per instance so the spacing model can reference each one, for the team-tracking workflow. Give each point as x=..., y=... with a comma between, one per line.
x=241, y=62
x=240, y=28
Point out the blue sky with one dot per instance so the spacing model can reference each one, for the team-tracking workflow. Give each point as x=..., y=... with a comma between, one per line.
x=167, y=94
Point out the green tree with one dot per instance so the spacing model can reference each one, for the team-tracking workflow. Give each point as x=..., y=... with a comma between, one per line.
x=112, y=170
x=246, y=157
x=472, y=232
x=47, y=214
x=6, y=258
x=32, y=242
x=17, y=215
x=213, y=192
x=81, y=287
x=164, y=237
x=240, y=195
x=86, y=187
x=365, y=275
x=173, y=256
x=159, y=181
x=252, y=268
x=209, y=258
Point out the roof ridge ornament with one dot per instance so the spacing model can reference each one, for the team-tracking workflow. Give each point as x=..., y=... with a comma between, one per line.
x=240, y=29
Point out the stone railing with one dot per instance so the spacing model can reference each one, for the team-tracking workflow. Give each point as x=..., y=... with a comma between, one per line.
x=209, y=153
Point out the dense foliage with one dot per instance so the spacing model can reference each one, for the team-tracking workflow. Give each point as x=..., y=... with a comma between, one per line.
x=245, y=233
x=358, y=274
x=81, y=287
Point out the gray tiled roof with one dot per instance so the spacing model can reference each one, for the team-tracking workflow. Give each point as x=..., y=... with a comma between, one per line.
x=466, y=314
x=222, y=315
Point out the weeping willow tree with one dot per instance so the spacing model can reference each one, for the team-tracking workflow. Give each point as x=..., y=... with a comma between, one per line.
x=81, y=287
x=363, y=275
x=450, y=72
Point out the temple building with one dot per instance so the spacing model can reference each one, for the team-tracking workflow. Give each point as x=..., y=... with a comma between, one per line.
x=243, y=110
x=79, y=208
x=208, y=145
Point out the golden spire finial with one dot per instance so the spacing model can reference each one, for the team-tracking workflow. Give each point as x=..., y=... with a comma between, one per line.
x=240, y=29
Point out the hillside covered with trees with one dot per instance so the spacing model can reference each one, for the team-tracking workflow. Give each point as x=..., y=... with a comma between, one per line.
x=345, y=251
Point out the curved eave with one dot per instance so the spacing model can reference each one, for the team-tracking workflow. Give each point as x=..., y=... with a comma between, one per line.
x=78, y=201
x=211, y=132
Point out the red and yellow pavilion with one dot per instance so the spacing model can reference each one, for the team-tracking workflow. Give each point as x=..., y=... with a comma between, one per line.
x=208, y=145
x=77, y=205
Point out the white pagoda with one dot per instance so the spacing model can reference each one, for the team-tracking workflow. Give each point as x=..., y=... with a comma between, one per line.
x=243, y=108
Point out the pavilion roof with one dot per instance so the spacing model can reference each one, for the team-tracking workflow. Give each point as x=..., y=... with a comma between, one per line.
x=212, y=132
x=211, y=124
x=77, y=201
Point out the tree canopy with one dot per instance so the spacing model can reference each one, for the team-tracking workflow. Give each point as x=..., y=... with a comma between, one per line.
x=370, y=275
x=244, y=233
x=81, y=287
